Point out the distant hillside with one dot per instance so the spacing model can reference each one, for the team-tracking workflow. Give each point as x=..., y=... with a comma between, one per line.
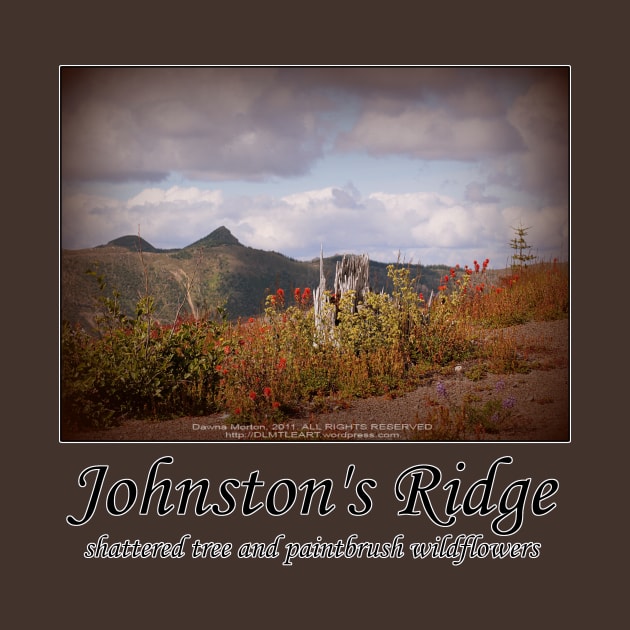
x=215, y=270
x=133, y=243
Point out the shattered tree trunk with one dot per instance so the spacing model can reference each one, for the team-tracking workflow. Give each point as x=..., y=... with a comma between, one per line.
x=324, y=317
x=351, y=274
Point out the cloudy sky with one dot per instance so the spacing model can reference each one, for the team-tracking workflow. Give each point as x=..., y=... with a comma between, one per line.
x=429, y=164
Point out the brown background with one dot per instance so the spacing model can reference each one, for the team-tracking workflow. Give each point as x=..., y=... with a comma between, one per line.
x=50, y=581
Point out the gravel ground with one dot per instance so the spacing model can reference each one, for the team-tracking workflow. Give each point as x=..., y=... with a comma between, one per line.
x=537, y=407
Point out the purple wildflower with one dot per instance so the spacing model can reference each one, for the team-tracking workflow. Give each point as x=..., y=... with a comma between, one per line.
x=509, y=402
x=441, y=389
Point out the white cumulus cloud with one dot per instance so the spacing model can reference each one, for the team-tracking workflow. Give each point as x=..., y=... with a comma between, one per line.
x=429, y=228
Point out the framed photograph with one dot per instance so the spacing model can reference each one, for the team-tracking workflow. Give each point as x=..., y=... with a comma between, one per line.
x=313, y=355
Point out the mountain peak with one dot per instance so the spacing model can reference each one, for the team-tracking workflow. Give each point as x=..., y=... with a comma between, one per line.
x=133, y=243
x=220, y=236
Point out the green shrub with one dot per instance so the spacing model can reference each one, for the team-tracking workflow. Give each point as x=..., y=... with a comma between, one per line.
x=135, y=367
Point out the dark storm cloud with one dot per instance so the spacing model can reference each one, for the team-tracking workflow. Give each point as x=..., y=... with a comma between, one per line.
x=213, y=124
x=207, y=123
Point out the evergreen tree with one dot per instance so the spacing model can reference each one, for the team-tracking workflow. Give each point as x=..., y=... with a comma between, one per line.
x=521, y=248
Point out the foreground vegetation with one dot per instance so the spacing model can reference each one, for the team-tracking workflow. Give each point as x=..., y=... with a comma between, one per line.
x=267, y=368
